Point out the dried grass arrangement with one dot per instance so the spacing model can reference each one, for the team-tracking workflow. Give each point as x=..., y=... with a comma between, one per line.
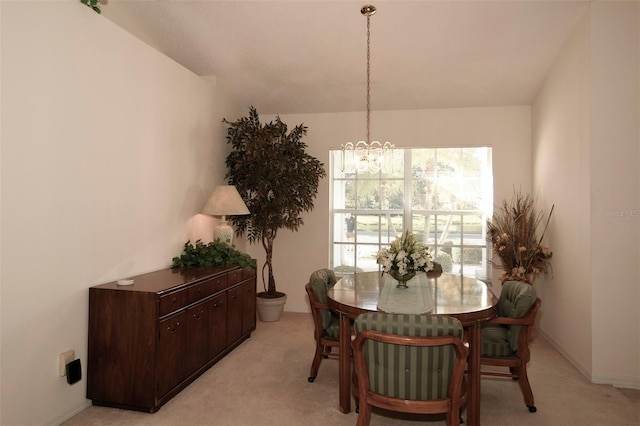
x=514, y=235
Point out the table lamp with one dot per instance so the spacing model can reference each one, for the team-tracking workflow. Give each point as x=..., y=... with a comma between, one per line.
x=224, y=201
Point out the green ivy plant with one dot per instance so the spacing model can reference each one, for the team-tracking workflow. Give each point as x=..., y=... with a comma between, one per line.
x=214, y=253
x=93, y=4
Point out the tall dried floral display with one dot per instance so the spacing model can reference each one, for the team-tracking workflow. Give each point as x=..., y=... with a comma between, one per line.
x=514, y=235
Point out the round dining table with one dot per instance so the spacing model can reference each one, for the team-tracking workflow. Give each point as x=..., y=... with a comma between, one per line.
x=465, y=298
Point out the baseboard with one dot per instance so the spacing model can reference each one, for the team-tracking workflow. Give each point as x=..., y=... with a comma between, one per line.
x=586, y=372
x=67, y=415
x=616, y=381
x=297, y=311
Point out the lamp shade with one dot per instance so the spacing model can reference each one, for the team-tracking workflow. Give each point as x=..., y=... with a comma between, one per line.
x=225, y=201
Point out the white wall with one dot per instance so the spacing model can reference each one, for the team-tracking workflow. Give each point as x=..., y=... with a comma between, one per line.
x=560, y=122
x=109, y=149
x=586, y=159
x=506, y=129
x=615, y=225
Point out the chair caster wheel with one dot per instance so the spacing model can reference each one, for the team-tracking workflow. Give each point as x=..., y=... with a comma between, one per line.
x=310, y=379
x=532, y=408
x=325, y=356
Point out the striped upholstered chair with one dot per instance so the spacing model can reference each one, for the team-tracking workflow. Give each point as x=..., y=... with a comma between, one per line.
x=505, y=339
x=326, y=324
x=409, y=363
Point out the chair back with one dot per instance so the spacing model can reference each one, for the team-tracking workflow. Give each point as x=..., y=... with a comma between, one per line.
x=320, y=282
x=516, y=300
x=410, y=357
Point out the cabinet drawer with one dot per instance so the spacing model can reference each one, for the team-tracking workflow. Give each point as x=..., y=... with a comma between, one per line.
x=172, y=301
x=235, y=276
x=248, y=273
x=200, y=291
x=220, y=282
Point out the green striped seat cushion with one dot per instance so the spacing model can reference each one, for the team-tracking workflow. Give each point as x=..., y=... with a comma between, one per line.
x=333, y=331
x=495, y=341
x=417, y=373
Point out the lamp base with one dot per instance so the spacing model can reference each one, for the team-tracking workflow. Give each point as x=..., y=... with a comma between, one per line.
x=223, y=232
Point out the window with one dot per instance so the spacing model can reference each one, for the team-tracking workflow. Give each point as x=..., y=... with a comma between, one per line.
x=443, y=195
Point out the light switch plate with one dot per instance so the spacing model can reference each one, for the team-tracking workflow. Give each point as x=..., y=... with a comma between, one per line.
x=65, y=358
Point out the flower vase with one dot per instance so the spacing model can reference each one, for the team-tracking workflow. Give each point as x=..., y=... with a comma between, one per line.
x=402, y=279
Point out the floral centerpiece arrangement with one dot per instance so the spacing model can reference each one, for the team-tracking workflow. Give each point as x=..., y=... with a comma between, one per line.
x=513, y=234
x=404, y=258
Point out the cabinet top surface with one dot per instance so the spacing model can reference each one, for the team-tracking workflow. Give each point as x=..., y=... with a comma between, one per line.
x=166, y=279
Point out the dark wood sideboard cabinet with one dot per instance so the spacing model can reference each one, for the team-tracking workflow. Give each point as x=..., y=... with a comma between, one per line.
x=149, y=340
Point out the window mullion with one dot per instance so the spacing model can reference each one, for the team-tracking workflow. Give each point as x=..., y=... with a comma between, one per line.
x=408, y=193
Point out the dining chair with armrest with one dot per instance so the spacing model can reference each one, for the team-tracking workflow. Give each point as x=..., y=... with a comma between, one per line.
x=505, y=338
x=409, y=363
x=326, y=323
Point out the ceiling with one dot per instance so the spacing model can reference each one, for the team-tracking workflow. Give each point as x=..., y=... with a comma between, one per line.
x=309, y=56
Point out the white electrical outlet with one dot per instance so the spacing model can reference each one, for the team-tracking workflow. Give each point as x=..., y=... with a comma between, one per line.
x=65, y=358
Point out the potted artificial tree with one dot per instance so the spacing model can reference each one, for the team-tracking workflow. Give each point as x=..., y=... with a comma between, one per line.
x=278, y=181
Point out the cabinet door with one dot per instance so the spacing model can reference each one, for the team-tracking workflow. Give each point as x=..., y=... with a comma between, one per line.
x=172, y=338
x=197, y=337
x=217, y=325
x=249, y=306
x=121, y=359
x=234, y=314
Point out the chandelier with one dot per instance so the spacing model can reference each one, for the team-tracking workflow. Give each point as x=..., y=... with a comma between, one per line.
x=367, y=156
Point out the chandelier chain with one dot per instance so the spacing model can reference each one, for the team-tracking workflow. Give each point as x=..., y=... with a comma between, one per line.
x=368, y=77
x=367, y=155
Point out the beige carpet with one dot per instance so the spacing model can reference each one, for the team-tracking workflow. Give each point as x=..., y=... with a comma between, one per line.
x=264, y=382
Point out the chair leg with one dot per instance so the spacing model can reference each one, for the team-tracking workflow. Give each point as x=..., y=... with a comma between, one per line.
x=453, y=419
x=525, y=387
x=453, y=416
x=514, y=373
x=364, y=415
x=315, y=365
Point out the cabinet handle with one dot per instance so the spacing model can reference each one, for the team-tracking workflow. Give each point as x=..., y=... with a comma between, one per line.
x=173, y=330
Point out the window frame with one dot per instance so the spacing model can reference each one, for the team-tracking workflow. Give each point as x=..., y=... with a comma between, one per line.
x=406, y=213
